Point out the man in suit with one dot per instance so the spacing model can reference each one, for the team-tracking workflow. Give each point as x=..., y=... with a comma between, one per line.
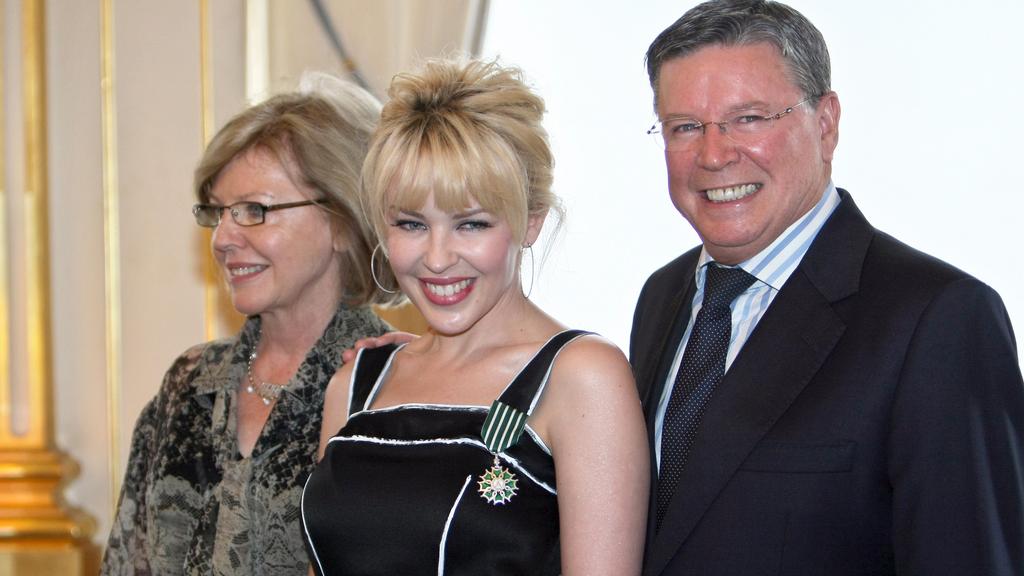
x=869, y=415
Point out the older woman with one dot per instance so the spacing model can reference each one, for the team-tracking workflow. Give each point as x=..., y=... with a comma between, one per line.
x=499, y=442
x=219, y=456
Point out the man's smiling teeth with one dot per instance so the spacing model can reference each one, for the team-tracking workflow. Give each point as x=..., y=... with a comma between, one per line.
x=243, y=270
x=731, y=193
x=448, y=289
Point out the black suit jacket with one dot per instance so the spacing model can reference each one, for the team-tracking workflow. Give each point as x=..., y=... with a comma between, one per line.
x=873, y=423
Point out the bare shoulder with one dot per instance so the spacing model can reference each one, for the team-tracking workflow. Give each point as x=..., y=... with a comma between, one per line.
x=335, y=413
x=592, y=361
x=591, y=405
x=337, y=389
x=590, y=376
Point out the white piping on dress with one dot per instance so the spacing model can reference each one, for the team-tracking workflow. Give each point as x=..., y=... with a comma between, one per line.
x=514, y=463
x=538, y=440
x=305, y=525
x=380, y=377
x=551, y=365
x=415, y=406
x=447, y=526
x=352, y=383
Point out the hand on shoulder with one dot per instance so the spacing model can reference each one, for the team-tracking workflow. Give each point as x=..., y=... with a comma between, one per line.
x=376, y=342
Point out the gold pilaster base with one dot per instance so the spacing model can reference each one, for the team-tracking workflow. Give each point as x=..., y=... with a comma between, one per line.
x=39, y=535
x=42, y=561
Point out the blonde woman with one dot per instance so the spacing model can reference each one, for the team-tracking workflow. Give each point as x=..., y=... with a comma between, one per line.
x=499, y=442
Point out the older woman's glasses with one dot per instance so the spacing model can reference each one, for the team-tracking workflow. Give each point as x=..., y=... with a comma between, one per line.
x=243, y=213
x=679, y=134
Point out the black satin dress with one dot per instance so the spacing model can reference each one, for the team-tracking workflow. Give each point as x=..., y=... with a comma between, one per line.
x=425, y=489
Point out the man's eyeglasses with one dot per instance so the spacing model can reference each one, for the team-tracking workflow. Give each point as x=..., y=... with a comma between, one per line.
x=243, y=213
x=682, y=133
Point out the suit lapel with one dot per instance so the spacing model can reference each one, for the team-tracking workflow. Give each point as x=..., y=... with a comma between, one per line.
x=787, y=348
x=664, y=334
x=659, y=351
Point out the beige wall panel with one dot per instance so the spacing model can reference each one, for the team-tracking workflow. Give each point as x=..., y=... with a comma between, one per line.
x=227, y=47
x=158, y=141
x=296, y=43
x=157, y=91
x=76, y=251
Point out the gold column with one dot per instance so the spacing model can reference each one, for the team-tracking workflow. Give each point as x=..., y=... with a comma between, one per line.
x=212, y=296
x=38, y=534
x=111, y=245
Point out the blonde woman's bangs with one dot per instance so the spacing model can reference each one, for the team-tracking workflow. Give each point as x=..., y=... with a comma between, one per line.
x=459, y=167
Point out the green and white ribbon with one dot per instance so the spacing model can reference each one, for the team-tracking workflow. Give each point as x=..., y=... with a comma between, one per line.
x=503, y=427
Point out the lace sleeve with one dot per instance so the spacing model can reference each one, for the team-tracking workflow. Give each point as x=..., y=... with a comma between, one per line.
x=127, y=550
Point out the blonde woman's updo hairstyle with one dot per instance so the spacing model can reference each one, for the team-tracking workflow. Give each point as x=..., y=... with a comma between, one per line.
x=462, y=130
x=321, y=134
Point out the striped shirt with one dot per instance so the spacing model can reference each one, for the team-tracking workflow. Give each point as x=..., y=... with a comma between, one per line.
x=771, y=267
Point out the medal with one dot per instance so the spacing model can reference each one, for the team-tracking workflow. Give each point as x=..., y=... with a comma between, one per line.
x=497, y=485
x=502, y=429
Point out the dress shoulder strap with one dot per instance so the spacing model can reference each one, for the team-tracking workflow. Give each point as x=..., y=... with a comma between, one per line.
x=507, y=416
x=370, y=364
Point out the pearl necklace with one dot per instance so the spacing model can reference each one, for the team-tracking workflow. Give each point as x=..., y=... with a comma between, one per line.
x=267, y=391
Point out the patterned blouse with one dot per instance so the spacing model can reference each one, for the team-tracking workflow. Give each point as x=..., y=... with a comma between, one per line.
x=191, y=504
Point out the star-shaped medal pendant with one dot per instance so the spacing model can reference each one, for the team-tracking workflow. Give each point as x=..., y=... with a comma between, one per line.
x=497, y=485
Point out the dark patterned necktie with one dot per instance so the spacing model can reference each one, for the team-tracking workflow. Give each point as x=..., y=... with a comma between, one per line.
x=701, y=369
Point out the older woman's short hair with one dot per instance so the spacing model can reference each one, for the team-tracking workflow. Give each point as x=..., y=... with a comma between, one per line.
x=322, y=132
x=463, y=130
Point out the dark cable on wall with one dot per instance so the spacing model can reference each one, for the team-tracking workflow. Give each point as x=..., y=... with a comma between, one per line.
x=335, y=40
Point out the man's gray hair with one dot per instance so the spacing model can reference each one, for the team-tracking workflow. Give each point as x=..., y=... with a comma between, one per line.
x=745, y=22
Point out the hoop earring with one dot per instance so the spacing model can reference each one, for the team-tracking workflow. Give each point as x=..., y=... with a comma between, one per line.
x=373, y=271
x=528, y=247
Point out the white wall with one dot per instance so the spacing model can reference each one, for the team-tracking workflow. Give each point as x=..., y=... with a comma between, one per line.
x=930, y=137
